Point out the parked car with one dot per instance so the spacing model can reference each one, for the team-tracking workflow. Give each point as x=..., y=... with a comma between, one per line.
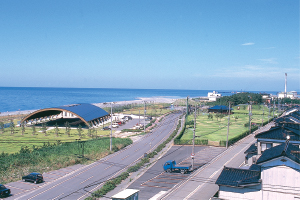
x=34, y=177
x=115, y=125
x=127, y=117
x=148, y=118
x=4, y=192
x=106, y=128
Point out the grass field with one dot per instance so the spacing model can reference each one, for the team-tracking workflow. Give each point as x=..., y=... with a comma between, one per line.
x=216, y=130
x=12, y=143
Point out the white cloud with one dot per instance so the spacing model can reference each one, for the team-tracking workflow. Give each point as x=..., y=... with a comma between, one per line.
x=248, y=43
x=255, y=71
x=269, y=60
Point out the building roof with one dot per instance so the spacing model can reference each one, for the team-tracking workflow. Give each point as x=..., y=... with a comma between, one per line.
x=280, y=133
x=220, y=107
x=86, y=112
x=251, y=149
x=234, y=177
x=285, y=149
x=125, y=194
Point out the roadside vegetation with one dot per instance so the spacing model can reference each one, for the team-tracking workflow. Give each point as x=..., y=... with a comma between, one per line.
x=51, y=157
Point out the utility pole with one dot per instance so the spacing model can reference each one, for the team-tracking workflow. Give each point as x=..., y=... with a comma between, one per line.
x=139, y=116
x=269, y=113
x=110, y=146
x=262, y=119
x=187, y=106
x=193, y=149
x=228, y=126
x=273, y=108
x=144, y=116
x=250, y=114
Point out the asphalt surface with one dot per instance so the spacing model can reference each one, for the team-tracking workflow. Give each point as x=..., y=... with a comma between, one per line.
x=201, y=185
x=81, y=182
x=155, y=181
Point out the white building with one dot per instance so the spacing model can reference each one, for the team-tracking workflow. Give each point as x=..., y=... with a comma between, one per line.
x=291, y=95
x=212, y=96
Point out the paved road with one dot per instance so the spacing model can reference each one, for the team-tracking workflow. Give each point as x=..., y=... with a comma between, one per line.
x=79, y=184
x=201, y=185
x=155, y=181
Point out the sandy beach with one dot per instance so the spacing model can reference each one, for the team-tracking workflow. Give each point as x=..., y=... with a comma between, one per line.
x=106, y=104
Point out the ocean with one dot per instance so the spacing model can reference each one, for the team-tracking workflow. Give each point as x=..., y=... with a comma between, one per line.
x=33, y=98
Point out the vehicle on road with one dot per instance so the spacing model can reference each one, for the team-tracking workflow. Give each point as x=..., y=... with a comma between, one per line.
x=170, y=166
x=34, y=177
x=4, y=192
x=115, y=125
x=127, y=118
x=106, y=128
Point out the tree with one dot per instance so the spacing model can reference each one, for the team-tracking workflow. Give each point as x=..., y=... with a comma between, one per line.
x=68, y=128
x=217, y=116
x=79, y=129
x=23, y=128
x=33, y=130
x=44, y=128
x=221, y=117
x=2, y=127
x=236, y=117
x=210, y=116
x=12, y=127
x=56, y=130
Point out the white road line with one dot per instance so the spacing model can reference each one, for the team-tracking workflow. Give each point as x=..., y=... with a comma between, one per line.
x=86, y=179
x=57, y=196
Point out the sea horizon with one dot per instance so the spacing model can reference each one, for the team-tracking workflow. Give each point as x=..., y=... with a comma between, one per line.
x=33, y=98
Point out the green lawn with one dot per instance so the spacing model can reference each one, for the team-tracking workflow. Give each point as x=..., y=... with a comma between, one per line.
x=216, y=130
x=12, y=143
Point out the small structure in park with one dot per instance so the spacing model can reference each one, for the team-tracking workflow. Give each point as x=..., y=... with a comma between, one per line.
x=76, y=114
x=219, y=109
x=127, y=194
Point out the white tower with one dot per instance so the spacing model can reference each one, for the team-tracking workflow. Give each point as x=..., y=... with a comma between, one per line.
x=285, y=86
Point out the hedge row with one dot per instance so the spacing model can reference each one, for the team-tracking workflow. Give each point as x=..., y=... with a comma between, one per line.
x=190, y=142
x=238, y=137
x=112, y=184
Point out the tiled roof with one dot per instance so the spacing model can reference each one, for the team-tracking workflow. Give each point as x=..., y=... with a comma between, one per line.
x=238, y=177
x=280, y=133
x=251, y=149
x=220, y=107
x=285, y=149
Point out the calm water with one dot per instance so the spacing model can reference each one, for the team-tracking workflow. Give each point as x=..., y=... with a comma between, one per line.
x=31, y=98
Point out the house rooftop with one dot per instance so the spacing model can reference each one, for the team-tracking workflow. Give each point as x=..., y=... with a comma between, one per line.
x=285, y=149
x=280, y=133
x=235, y=177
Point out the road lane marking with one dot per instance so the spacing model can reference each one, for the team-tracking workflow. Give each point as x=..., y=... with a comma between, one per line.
x=125, y=157
x=57, y=196
x=109, y=166
x=86, y=179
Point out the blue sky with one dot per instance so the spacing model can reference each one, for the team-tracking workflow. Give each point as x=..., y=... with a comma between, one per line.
x=165, y=44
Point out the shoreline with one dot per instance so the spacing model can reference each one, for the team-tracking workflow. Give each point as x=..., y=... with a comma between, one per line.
x=103, y=105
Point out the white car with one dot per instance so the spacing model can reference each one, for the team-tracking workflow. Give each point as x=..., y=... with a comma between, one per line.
x=115, y=125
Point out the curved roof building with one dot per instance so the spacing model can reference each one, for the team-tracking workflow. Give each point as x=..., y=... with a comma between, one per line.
x=87, y=113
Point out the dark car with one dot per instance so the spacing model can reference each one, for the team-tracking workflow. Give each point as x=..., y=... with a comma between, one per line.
x=4, y=192
x=106, y=128
x=33, y=177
